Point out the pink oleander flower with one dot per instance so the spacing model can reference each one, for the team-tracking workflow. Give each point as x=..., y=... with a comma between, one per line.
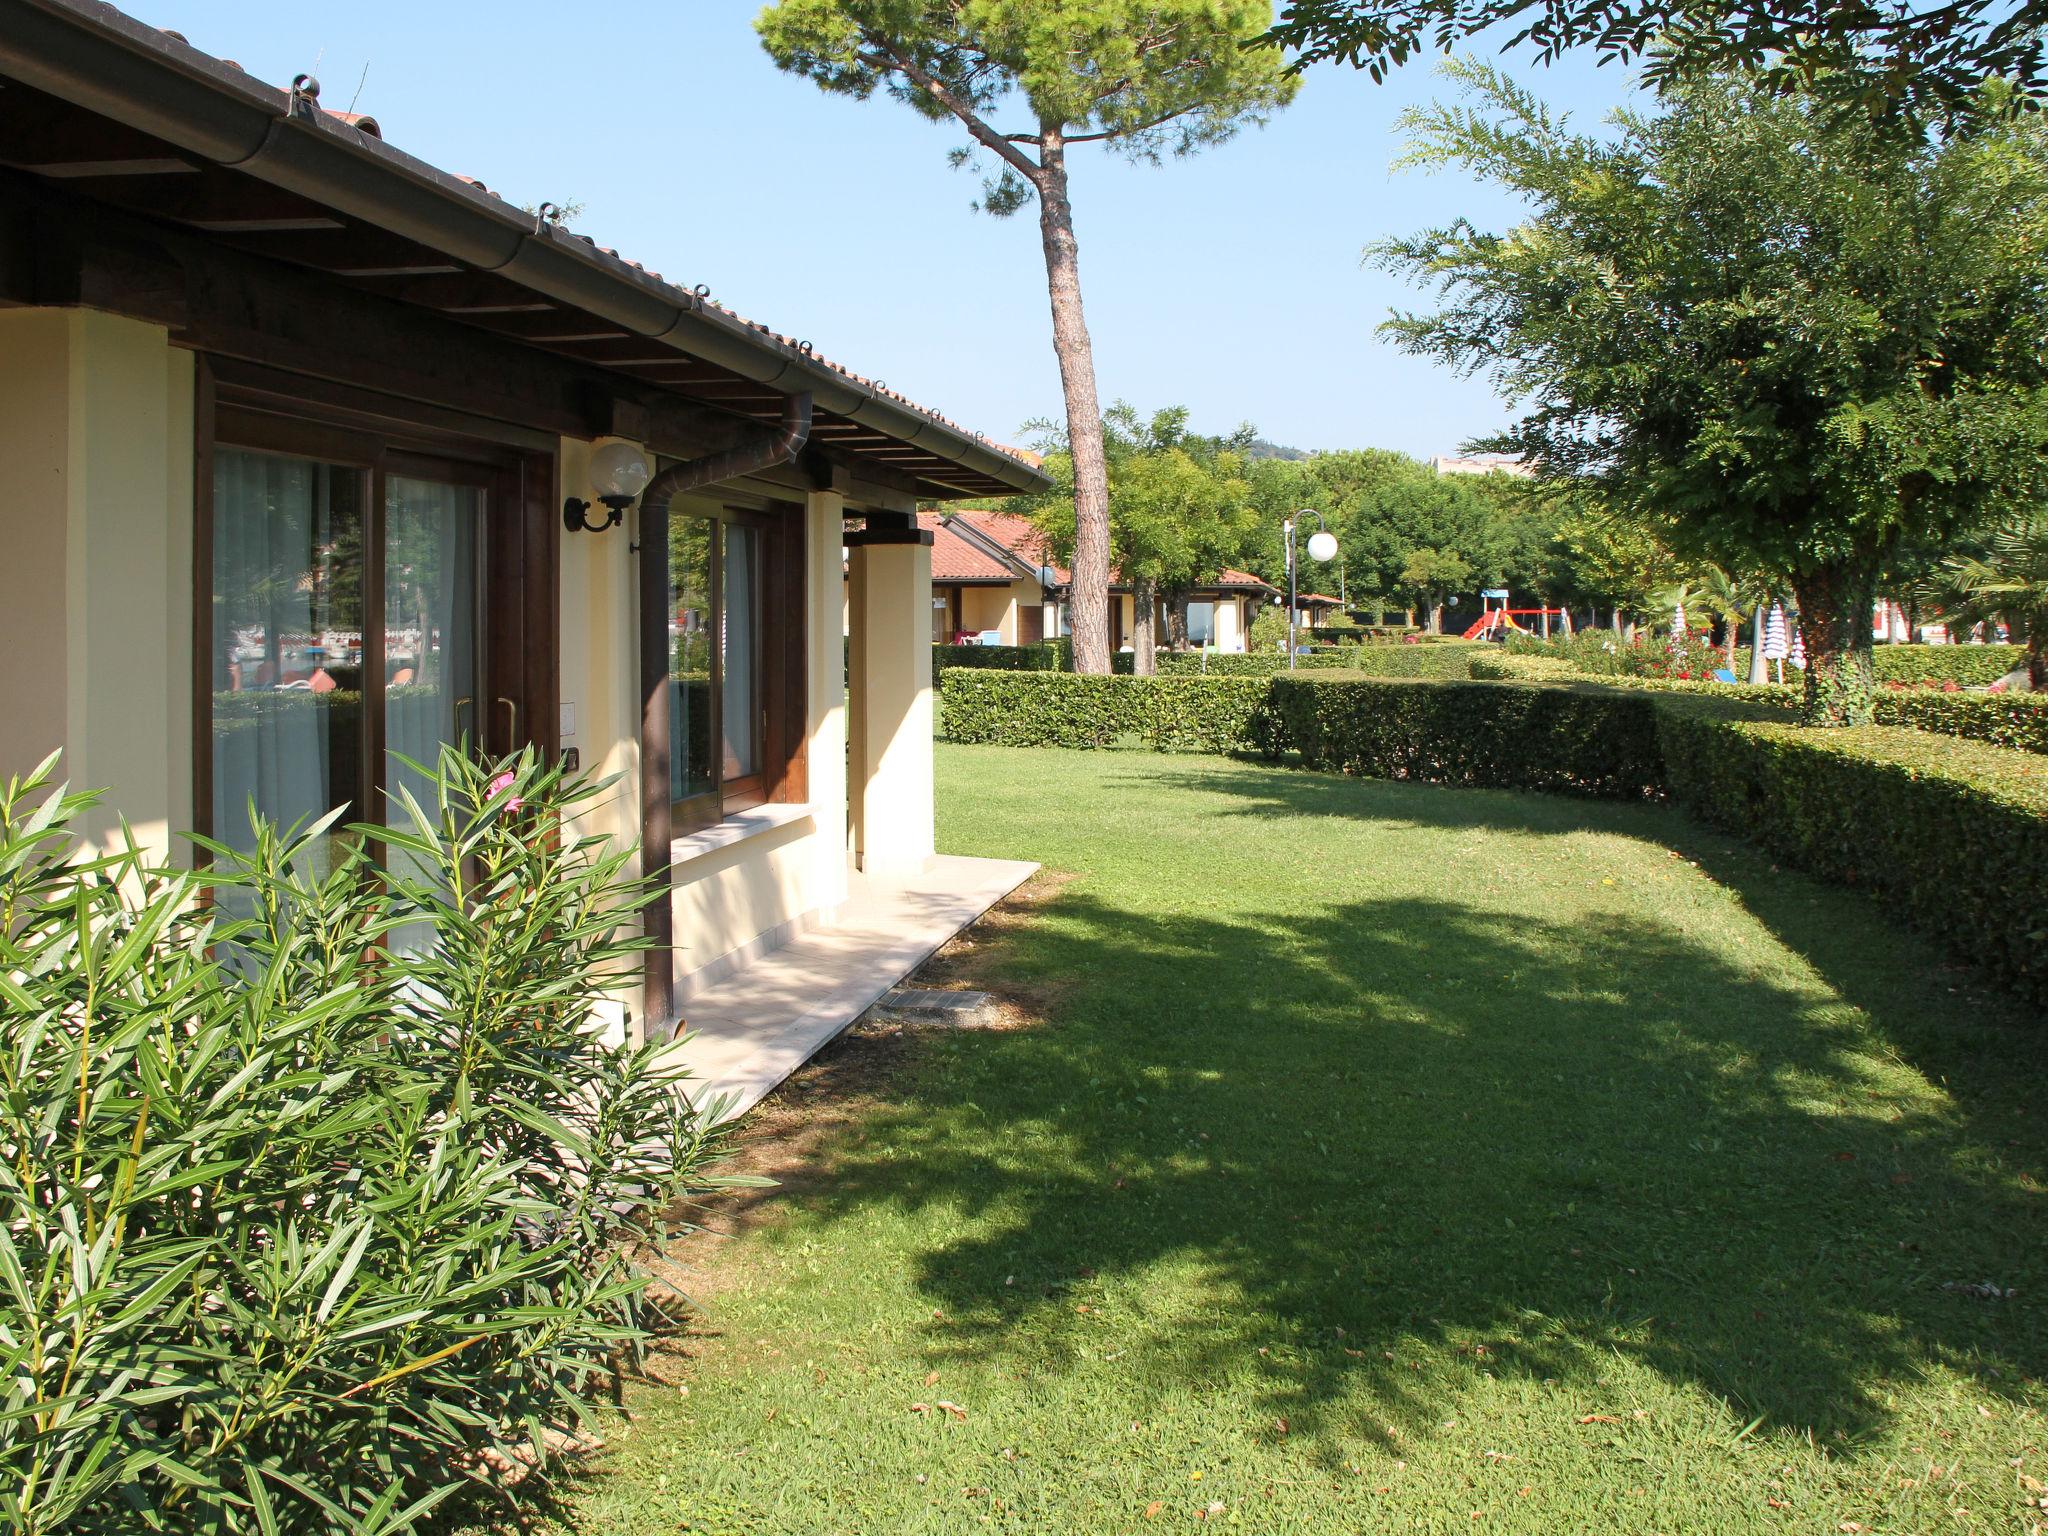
x=499, y=785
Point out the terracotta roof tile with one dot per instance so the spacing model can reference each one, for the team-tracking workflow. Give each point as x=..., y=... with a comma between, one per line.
x=955, y=559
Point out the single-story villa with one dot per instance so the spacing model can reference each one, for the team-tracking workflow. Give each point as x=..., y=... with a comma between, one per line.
x=994, y=581
x=313, y=454
x=1313, y=609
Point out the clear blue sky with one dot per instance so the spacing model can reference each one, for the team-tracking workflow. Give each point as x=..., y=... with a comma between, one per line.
x=1229, y=283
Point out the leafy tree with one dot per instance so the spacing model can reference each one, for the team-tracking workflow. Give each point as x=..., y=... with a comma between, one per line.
x=1147, y=78
x=1433, y=575
x=1180, y=509
x=1915, y=63
x=1785, y=340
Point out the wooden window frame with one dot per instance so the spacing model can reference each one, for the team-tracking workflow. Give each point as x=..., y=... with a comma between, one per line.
x=246, y=407
x=781, y=776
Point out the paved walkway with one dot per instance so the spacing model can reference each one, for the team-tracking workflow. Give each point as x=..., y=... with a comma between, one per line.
x=752, y=1030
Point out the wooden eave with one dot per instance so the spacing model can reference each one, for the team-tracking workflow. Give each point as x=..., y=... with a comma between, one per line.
x=100, y=212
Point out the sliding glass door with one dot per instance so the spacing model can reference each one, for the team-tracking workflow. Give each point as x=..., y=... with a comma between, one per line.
x=434, y=694
x=347, y=638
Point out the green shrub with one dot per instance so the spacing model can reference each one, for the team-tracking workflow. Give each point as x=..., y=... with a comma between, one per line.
x=2002, y=719
x=1502, y=735
x=1229, y=663
x=1952, y=833
x=1500, y=665
x=1042, y=657
x=1447, y=660
x=2017, y=720
x=1971, y=666
x=318, y=1184
x=1061, y=709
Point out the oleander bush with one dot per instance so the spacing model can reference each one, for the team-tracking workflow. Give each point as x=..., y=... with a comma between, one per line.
x=1063, y=709
x=320, y=1191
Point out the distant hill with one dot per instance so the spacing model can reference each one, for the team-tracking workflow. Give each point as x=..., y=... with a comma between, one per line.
x=1261, y=449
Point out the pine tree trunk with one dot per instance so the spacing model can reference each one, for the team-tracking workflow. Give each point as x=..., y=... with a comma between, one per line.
x=1144, y=627
x=1836, y=606
x=1089, y=599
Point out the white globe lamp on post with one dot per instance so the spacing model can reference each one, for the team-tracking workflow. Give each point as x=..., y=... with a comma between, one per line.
x=1322, y=546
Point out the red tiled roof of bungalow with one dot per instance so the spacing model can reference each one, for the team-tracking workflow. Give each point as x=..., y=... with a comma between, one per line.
x=955, y=559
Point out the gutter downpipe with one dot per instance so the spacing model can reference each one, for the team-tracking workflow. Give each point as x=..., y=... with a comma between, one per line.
x=656, y=823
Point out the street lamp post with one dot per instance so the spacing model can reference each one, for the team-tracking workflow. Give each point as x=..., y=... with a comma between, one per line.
x=1322, y=545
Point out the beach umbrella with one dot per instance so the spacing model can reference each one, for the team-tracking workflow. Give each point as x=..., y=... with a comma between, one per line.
x=1798, y=653
x=1678, y=621
x=1775, y=648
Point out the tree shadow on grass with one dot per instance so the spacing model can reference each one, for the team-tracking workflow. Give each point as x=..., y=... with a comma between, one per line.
x=1402, y=1128
x=1939, y=1018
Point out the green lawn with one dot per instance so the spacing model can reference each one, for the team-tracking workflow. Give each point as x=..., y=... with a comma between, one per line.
x=1388, y=1158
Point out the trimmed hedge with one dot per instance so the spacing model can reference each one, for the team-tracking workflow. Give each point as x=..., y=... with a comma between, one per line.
x=2001, y=719
x=1953, y=833
x=1042, y=657
x=1061, y=709
x=1973, y=666
x=1222, y=663
x=2018, y=720
x=1475, y=735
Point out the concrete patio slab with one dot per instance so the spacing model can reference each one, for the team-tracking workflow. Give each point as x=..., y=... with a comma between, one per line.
x=751, y=1030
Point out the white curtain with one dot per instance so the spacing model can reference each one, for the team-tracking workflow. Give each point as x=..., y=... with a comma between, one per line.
x=287, y=639
x=741, y=682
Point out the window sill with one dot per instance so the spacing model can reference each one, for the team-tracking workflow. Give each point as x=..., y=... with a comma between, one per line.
x=739, y=827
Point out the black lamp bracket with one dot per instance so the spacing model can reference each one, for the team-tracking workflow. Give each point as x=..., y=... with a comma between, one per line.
x=575, y=514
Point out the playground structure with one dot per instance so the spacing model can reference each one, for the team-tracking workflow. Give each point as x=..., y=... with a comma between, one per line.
x=1496, y=618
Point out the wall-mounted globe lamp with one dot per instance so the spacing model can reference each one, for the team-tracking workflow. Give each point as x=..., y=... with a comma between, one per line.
x=618, y=473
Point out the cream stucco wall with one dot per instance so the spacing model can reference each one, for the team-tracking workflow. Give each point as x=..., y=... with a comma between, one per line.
x=734, y=901
x=993, y=608
x=96, y=592
x=96, y=625
x=890, y=712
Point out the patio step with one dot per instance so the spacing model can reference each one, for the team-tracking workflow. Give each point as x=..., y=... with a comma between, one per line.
x=752, y=1029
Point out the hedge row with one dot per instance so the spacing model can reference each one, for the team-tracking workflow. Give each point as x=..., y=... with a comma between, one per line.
x=1600, y=652
x=1042, y=657
x=1061, y=709
x=2017, y=720
x=1973, y=666
x=1953, y=833
x=1476, y=735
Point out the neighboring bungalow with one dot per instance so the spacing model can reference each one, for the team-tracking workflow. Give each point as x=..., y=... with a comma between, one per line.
x=991, y=575
x=312, y=454
x=1313, y=609
x=984, y=588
